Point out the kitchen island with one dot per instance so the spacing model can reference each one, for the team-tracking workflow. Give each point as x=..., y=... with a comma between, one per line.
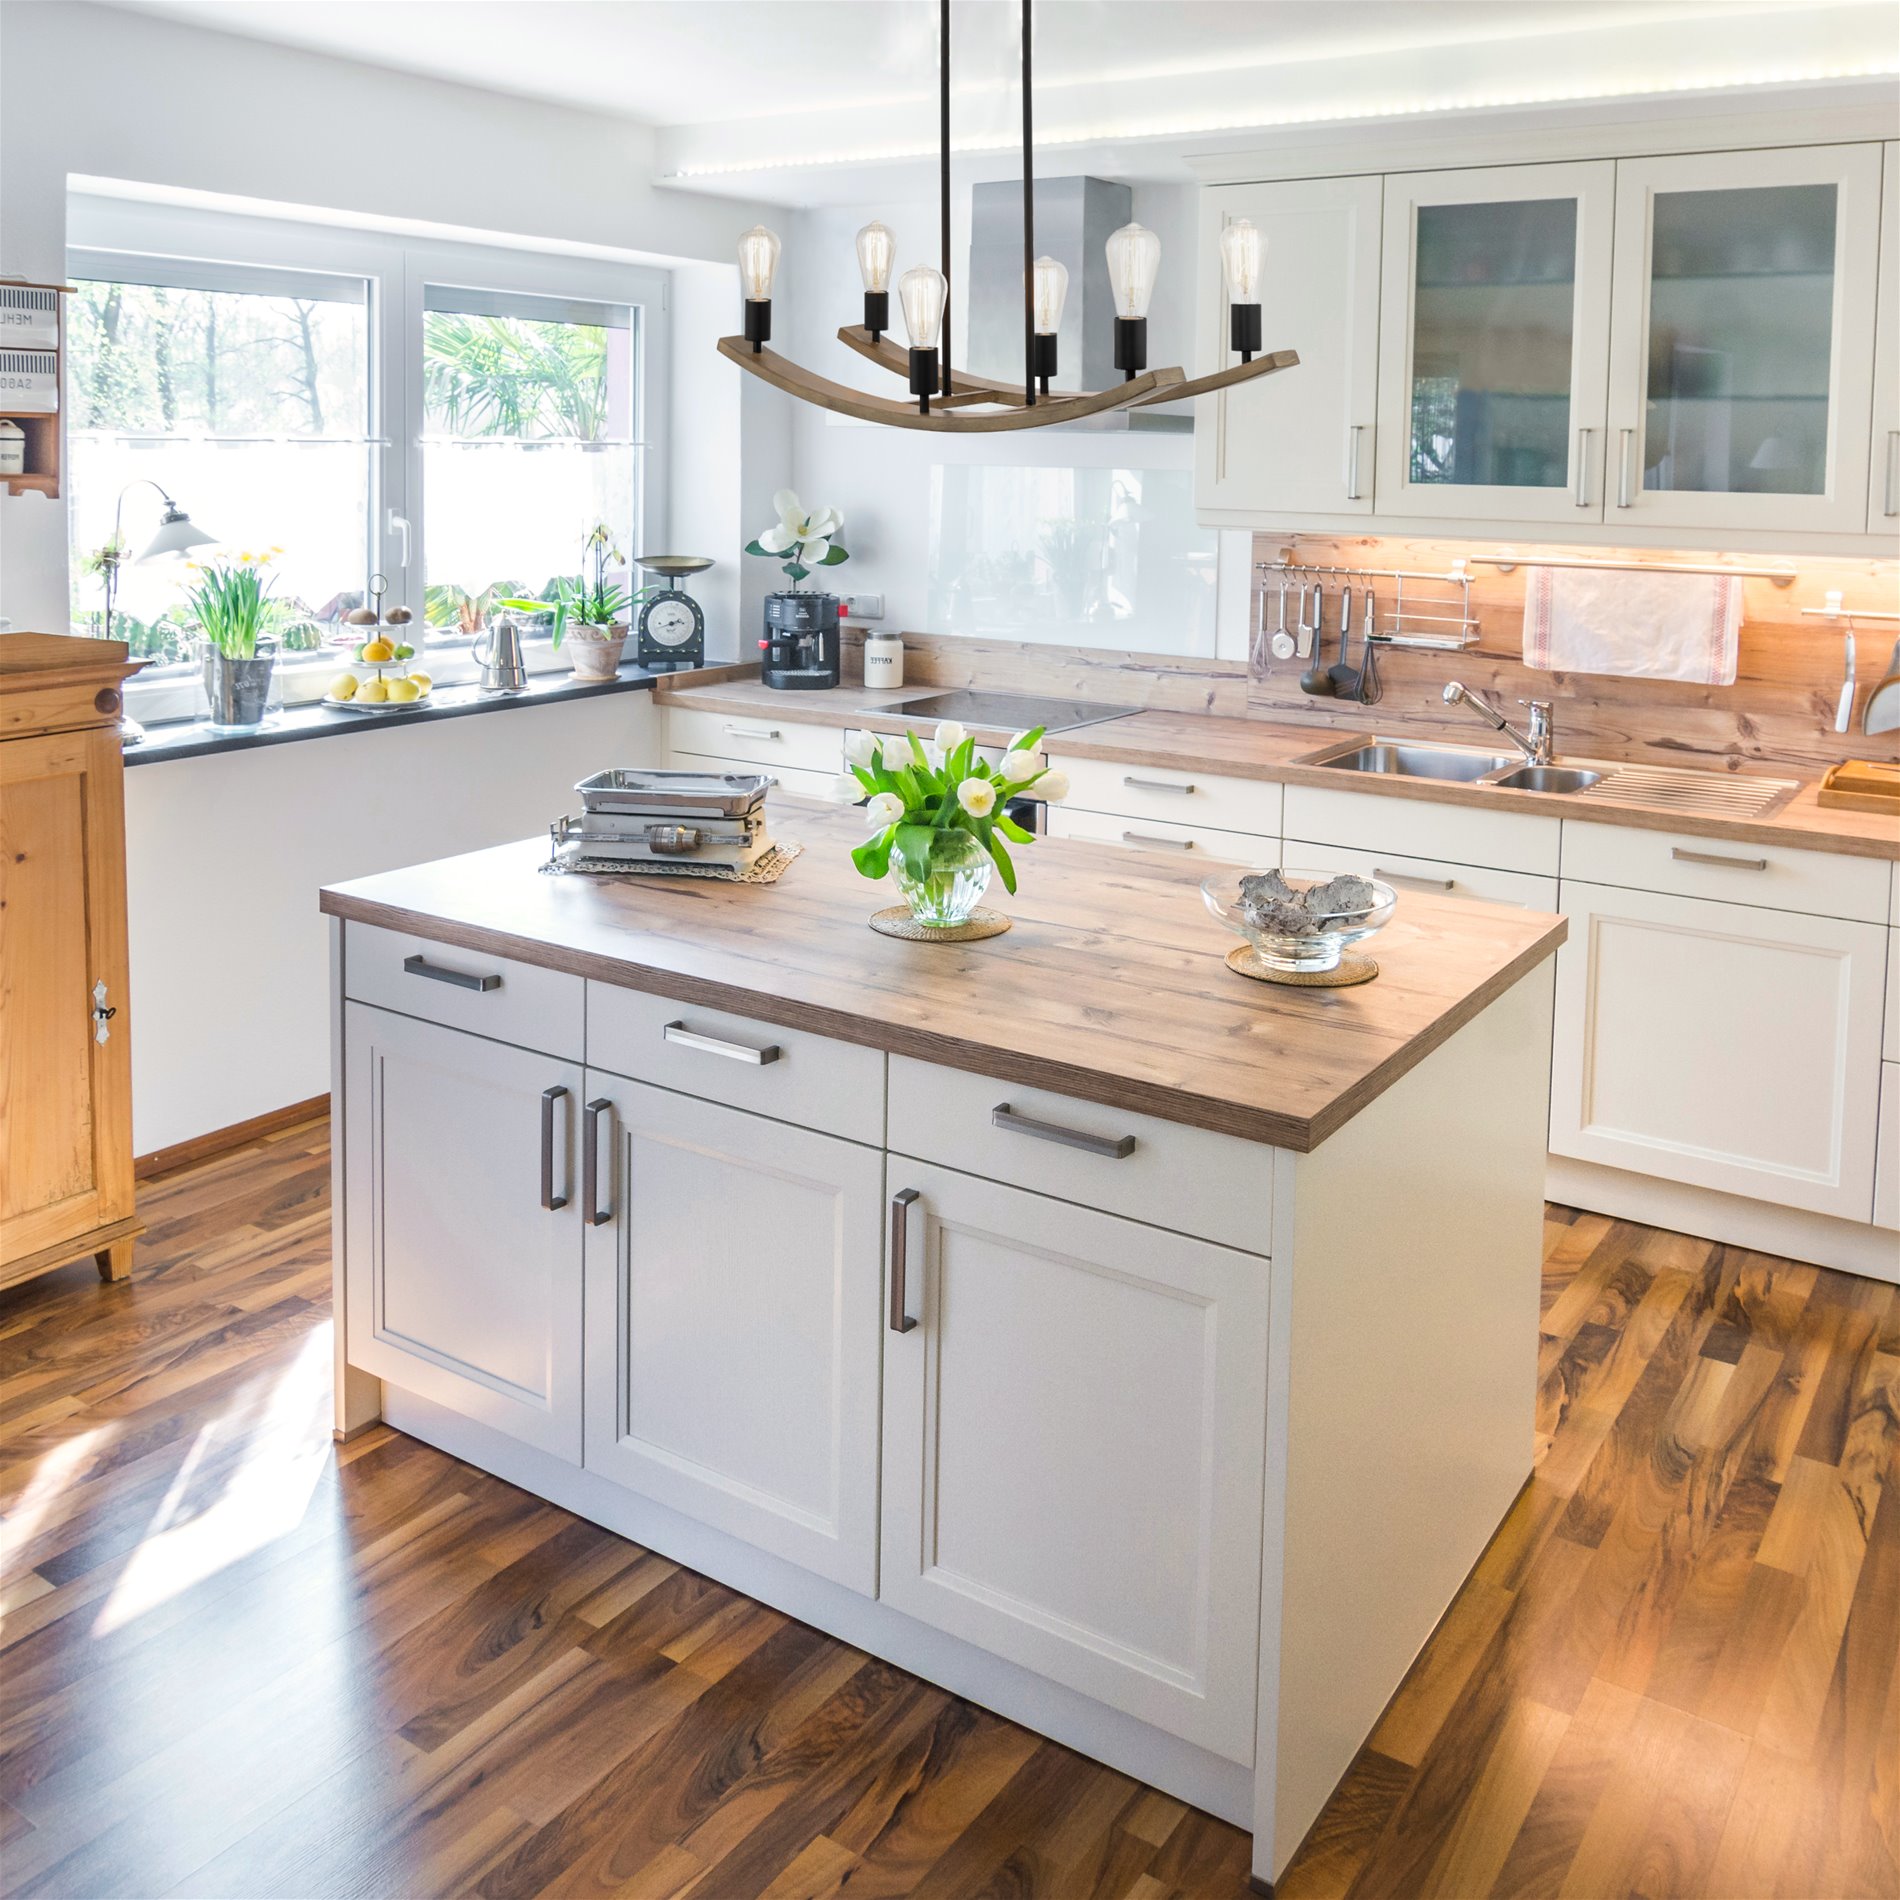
x=1143, y=1352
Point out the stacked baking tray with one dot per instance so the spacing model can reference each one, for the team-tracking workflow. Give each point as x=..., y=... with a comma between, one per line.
x=702, y=823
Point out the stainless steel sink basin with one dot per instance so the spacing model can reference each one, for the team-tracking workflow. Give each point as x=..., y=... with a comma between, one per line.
x=1549, y=778
x=1462, y=765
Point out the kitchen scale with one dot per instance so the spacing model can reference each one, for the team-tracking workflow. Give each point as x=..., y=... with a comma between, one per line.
x=672, y=624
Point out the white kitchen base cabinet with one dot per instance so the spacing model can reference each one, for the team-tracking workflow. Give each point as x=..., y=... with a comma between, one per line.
x=1074, y=1428
x=733, y=1272
x=464, y=1283
x=1720, y=1045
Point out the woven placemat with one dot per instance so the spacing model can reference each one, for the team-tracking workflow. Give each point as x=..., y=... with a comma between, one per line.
x=1244, y=960
x=765, y=869
x=898, y=922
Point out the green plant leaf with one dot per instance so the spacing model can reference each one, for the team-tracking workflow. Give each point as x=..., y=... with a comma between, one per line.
x=752, y=547
x=1003, y=865
x=913, y=843
x=833, y=555
x=873, y=856
x=1011, y=829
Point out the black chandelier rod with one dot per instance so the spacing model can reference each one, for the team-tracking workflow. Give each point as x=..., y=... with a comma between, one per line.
x=1029, y=229
x=943, y=173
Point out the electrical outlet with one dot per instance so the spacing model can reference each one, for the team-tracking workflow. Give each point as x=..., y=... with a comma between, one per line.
x=865, y=607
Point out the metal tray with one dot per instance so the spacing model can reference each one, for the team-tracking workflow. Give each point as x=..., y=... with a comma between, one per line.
x=700, y=794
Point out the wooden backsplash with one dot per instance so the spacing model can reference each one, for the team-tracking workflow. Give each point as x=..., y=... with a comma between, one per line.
x=1780, y=711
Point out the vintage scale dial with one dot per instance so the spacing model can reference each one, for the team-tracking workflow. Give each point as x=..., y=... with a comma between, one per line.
x=672, y=624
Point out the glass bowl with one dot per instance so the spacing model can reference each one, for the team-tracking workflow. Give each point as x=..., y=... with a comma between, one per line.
x=1317, y=947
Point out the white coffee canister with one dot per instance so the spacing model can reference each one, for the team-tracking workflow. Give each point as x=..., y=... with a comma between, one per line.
x=883, y=659
x=12, y=448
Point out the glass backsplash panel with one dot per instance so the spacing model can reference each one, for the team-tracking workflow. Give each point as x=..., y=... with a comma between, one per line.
x=1100, y=557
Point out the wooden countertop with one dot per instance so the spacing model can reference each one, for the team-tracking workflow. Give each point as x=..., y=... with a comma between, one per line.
x=1264, y=749
x=1110, y=986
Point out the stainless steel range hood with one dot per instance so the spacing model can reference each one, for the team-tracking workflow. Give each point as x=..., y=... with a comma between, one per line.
x=1074, y=217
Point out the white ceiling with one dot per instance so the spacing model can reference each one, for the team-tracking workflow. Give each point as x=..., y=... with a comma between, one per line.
x=788, y=101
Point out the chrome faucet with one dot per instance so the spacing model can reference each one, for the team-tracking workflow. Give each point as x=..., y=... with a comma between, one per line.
x=1537, y=747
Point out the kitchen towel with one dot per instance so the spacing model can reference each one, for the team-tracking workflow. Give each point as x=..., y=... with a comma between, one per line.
x=1631, y=621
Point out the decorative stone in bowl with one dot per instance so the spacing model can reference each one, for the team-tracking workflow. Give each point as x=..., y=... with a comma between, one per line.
x=1299, y=922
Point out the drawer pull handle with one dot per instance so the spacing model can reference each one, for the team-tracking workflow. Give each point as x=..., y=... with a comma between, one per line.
x=901, y=1321
x=1625, y=474
x=593, y=1213
x=1715, y=857
x=714, y=1046
x=1112, y=1148
x=1583, y=467
x=462, y=979
x=1155, y=785
x=1166, y=844
x=549, y=1199
x=1412, y=878
x=751, y=732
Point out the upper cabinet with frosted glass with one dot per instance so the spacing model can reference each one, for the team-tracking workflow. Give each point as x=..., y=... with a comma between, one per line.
x=1741, y=339
x=1494, y=328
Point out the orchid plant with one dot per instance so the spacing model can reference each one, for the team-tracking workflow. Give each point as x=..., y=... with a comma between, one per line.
x=809, y=539
x=925, y=789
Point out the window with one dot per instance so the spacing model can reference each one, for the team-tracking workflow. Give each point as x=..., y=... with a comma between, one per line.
x=245, y=394
x=529, y=427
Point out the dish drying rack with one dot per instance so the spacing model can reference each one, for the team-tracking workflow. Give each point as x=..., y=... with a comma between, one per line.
x=1435, y=614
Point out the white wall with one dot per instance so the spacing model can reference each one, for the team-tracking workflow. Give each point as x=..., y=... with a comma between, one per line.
x=225, y=854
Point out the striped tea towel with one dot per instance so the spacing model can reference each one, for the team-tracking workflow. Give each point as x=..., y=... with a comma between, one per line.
x=1634, y=622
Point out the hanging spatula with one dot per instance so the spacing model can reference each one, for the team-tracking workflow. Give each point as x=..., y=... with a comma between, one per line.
x=1882, y=712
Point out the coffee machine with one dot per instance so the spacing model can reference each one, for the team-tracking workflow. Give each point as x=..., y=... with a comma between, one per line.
x=800, y=651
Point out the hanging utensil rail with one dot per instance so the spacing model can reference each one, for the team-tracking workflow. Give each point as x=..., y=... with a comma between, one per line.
x=1442, y=622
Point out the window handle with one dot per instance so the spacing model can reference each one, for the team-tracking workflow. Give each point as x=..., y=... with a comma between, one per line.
x=399, y=524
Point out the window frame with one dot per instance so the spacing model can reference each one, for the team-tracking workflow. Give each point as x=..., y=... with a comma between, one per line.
x=131, y=233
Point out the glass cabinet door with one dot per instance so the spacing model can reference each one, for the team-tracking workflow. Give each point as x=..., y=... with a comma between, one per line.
x=1741, y=338
x=1494, y=339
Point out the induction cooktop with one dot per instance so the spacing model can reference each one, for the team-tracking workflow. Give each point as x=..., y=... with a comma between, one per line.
x=1009, y=712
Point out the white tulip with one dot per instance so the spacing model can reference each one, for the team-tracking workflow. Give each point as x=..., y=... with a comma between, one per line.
x=846, y=789
x=977, y=796
x=1053, y=787
x=948, y=737
x=862, y=749
x=933, y=756
x=885, y=809
x=1018, y=765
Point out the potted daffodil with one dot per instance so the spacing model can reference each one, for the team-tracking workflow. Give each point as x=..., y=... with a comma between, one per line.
x=937, y=815
x=801, y=539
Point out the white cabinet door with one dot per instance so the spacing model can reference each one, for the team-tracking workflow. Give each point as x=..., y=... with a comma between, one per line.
x=1883, y=486
x=461, y=1226
x=1494, y=343
x=1074, y=1429
x=1719, y=1044
x=1301, y=441
x=733, y=1274
x=1742, y=339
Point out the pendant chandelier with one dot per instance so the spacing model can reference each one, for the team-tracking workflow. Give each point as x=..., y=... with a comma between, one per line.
x=953, y=402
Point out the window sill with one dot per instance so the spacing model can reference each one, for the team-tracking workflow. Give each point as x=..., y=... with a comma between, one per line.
x=197, y=738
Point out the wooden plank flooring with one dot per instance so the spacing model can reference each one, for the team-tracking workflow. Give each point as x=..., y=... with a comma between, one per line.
x=239, y=1662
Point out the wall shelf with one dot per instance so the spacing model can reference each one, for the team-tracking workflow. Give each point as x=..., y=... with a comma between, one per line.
x=44, y=441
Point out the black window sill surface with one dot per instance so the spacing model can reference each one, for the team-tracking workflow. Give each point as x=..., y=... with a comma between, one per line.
x=197, y=738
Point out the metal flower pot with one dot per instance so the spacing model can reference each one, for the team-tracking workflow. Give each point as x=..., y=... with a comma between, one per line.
x=239, y=690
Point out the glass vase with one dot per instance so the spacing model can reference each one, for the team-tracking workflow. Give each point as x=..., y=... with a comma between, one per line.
x=959, y=875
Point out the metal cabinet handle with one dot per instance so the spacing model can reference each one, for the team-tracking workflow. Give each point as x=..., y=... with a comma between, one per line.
x=1353, y=433
x=1625, y=475
x=549, y=1199
x=1583, y=467
x=462, y=979
x=751, y=732
x=1891, y=505
x=1413, y=878
x=901, y=1321
x=1148, y=837
x=714, y=1046
x=1159, y=784
x=1715, y=857
x=1110, y=1147
x=591, y=1210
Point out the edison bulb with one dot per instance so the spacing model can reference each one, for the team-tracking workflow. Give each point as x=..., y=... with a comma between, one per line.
x=1134, y=257
x=1243, y=250
x=1050, y=290
x=921, y=291
x=758, y=263
x=877, y=251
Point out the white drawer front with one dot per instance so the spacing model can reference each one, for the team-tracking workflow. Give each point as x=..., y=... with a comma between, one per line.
x=1772, y=877
x=791, y=778
x=1426, y=874
x=1420, y=828
x=789, y=1074
x=760, y=739
x=465, y=989
x=1175, y=795
x=1188, y=1179
x=1151, y=834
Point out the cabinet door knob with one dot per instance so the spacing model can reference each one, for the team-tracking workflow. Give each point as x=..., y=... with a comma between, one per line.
x=549, y=1199
x=901, y=1321
x=591, y=1210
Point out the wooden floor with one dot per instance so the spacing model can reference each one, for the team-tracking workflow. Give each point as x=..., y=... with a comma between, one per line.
x=238, y=1662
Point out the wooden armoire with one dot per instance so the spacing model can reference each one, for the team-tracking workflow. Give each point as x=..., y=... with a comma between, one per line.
x=65, y=1031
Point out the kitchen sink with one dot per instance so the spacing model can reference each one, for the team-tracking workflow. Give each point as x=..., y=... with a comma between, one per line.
x=1548, y=778
x=1463, y=765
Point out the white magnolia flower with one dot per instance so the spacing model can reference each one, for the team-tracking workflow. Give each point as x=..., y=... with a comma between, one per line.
x=846, y=789
x=1053, y=786
x=861, y=748
x=977, y=796
x=885, y=809
x=1019, y=765
x=810, y=534
x=948, y=737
